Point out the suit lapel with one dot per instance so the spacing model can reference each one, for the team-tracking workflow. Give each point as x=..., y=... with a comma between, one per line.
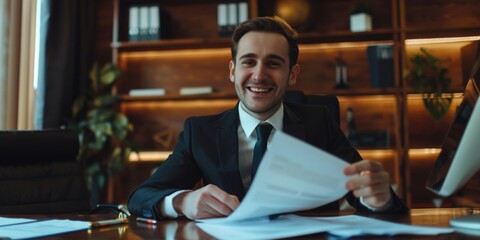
x=227, y=145
x=292, y=124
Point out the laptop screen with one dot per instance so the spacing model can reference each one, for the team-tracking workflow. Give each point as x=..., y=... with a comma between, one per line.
x=459, y=158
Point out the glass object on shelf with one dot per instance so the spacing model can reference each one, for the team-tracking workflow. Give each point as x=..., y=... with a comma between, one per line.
x=340, y=73
x=351, y=128
x=297, y=13
x=365, y=138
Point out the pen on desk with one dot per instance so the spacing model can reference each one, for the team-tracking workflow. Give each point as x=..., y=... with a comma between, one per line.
x=147, y=220
x=102, y=223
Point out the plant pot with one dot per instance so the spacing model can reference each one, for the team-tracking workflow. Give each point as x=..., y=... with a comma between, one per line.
x=360, y=22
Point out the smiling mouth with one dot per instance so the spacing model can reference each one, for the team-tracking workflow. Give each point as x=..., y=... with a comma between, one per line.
x=259, y=90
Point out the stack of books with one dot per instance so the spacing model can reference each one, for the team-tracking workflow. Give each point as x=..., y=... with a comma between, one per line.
x=147, y=22
x=229, y=15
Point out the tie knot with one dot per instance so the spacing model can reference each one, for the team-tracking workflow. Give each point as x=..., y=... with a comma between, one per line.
x=263, y=131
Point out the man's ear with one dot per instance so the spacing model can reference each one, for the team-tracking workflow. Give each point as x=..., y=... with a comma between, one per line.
x=294, y=75
x=231, y=66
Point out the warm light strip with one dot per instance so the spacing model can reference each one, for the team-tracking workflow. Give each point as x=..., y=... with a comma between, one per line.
x=417, y=96
x=376, y=153
x=178, y=53
x=424, y=151
x=366, y=98
x=441, y=40
x=321, y=46
x=150, y=156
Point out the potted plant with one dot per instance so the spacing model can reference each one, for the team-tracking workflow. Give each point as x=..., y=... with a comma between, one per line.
x=104, y=132
x=361, y=17
x=429, y=78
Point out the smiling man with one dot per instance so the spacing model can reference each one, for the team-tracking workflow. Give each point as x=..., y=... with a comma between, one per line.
x=221, y=149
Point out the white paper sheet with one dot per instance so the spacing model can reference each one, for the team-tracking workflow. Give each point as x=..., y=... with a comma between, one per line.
x=281, y=227
x=36, y=229
x=358, y=226
x=292, y=176
x=9, y=221
x=293, y=225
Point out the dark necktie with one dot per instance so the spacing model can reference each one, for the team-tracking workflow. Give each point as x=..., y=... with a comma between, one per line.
x=263, y=131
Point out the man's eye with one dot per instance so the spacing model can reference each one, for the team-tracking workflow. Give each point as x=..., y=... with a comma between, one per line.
x=248, y=62
x=274, y=64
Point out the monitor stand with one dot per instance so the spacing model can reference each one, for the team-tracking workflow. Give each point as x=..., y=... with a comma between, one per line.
x=469, y=224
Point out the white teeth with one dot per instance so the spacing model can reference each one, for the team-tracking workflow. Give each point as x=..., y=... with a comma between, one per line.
x=259, y=89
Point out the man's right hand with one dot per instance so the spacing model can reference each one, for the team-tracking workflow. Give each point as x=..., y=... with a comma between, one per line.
x=206, y=202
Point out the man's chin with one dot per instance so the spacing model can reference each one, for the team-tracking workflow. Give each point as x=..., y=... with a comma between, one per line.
x=259, y=108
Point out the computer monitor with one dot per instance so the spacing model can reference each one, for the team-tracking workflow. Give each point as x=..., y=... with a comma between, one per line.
x=459, y=158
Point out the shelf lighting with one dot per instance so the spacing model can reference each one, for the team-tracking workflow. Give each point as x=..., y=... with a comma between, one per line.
x=424, y=151
x=441, y=40
x=150, y=156
x=378, y=98
x=178, y=53
x=416, y=96
x=376, y=153
x=320, y=46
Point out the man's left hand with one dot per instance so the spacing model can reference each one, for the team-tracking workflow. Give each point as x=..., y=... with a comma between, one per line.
x=370, y=181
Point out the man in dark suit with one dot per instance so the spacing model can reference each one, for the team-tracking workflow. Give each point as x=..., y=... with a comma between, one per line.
x=218, y=149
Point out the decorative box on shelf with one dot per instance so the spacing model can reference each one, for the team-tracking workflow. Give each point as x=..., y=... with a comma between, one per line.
x=360, y=22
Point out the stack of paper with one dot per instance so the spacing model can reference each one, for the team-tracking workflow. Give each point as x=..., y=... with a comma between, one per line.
x=286, y=183
x=22, y=228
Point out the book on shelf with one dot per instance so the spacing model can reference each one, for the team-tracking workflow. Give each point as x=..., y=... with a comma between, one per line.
x=147, y=92
x=147, y=22
x=229, y=15
x=196, y=90
x=222, y=19
x=380, y=61
x=133, y=24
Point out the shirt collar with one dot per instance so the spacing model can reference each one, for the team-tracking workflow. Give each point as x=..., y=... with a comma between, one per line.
x=249, y=123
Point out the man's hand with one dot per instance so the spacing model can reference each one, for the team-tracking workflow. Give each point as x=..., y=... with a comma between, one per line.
x=206, y=202
x=371, y=182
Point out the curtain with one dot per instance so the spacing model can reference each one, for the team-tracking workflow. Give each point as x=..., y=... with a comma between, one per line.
x=67, y=58
x=17, y=54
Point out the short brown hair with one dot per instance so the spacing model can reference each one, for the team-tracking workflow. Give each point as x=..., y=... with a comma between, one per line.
x=268, y=24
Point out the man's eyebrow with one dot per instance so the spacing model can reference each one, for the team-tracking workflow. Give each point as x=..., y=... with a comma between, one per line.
x=270, y=56
x=277, y=57
x=247, y=55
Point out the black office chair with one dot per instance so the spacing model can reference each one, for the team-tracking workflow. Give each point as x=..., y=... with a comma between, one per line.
x=39, y=173
x=329, y=101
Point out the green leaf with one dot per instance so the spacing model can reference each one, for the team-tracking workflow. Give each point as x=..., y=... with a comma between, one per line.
x=105, y=101
x=108, y=78
x=78, y=106
x=94, y=76
x=429, y=78
x=104, y=132
x=437, y=105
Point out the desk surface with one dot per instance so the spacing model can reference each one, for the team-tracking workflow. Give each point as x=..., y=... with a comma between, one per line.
x=185, y=229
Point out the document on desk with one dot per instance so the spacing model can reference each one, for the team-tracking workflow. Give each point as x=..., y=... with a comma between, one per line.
x=32, y=228
x=358, y=226
x=9, y=221
x=293, y=225
x=293, y=176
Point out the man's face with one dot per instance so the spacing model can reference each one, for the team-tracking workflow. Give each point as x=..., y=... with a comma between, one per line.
x=261, y=73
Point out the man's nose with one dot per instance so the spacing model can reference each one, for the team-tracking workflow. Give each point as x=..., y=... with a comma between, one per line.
x=260, y=72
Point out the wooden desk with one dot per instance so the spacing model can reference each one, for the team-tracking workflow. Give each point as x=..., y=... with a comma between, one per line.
x=185, y=229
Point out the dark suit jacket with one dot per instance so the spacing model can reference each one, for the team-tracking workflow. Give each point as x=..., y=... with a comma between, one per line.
x=207, y=149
